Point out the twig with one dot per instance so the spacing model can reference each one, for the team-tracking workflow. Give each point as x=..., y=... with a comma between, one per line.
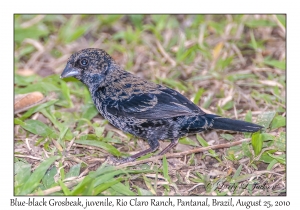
x=195, y=187
x=32, y=21
x=27, y=143
x=165, y=54
x=180, y=154
x=28, y=156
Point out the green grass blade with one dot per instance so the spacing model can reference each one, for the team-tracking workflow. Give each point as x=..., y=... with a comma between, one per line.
x=107, y=147
x=105, y=186
x=37, y=175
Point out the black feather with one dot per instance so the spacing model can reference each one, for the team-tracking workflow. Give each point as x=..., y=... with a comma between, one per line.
x=232, y=125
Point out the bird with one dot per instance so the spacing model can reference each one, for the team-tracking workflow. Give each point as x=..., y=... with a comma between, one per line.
x=140, y=107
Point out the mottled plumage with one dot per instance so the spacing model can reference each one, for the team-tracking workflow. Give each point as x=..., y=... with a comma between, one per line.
x=140, y=107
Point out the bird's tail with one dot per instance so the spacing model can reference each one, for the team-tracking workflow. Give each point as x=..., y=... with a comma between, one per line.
x=218, y=122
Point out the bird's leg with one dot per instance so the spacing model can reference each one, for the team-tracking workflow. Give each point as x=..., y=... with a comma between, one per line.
x=173, y=143
x=139, y=154
x=153, y=147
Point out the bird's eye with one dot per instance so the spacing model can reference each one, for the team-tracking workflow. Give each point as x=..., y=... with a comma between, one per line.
x=84, y=62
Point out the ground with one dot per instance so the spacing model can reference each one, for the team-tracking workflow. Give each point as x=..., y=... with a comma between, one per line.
x=230, y=65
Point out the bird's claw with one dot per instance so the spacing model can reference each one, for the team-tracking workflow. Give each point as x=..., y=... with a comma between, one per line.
x=115, y=161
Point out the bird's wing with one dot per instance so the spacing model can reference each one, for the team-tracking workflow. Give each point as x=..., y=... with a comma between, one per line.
x=166, y=104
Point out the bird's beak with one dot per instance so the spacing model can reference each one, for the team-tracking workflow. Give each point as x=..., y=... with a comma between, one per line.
x=69, y=71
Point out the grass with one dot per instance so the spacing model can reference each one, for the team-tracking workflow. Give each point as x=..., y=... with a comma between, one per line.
x=230, y=65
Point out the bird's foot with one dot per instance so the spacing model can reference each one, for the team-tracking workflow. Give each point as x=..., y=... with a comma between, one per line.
x=115, y=161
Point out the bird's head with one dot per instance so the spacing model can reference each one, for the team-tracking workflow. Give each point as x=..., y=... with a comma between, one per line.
x=90, y=66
